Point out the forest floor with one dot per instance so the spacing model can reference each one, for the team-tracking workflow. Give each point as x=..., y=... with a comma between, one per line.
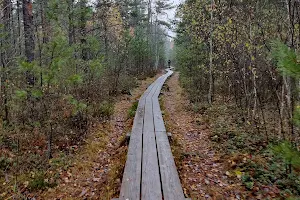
x=214, y=158
x=200, y=167
x=96, y=170
x=206, y=172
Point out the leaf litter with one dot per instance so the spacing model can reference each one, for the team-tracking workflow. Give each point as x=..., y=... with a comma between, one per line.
x=96, y=171
x=201, y=169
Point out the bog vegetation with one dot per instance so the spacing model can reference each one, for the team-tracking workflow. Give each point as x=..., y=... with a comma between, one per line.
x=239, y=63
x=62, y=64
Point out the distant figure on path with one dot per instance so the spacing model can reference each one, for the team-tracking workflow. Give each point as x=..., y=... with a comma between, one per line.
x=169, y=63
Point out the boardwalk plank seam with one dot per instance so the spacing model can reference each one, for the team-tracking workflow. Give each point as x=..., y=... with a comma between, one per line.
x=150, y=172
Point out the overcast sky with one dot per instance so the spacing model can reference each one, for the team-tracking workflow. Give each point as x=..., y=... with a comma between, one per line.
x=171, y=14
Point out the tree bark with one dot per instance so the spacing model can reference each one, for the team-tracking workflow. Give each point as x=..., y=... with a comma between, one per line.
x=84, y=54
x=19, y=27
x=6, y=44
x=71, y=23
x=29, y=37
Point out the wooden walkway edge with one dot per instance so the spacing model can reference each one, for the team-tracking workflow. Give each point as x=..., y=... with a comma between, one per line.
x=150, y=172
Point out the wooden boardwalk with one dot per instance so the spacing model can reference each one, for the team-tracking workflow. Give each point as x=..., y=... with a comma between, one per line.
x=150, y=172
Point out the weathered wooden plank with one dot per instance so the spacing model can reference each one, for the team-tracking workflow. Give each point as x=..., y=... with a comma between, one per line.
x=151, y=188
x=159, y=86
x=168, y=173
x=169, y=176
x=158, y=119
x=141, y=179
x=131, y=182
x=162, y=81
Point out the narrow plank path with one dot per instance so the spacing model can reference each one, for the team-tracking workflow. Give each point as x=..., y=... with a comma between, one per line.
x=150, y=172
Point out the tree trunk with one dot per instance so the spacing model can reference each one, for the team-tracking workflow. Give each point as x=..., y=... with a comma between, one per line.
x=49, y=142
x=19, y=26
x=291, y=82
x=83, y=20
x=71, y=22
x=5, y=54
x=29, y=37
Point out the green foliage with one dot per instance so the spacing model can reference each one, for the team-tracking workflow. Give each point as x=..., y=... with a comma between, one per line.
x=93, y=45
x=37, y=93
x=83, y=55
x=105, y=110
x=192, y=62
x=243, y=78
x=132, y=109
x=26, y=66
x=21, y=94
x=81, y=107
x=71, y=99
x=5, y=163
x=290, y=184
x=288, y=153
x=39, y=182
x=272, y=171
x=139, y=46
x=55, y=8
x=296, y=117
x=127, y=84
x=60, y=161
x=96, y=66
x=266, y=165
x=78, y=107
x=75, y=79
x=286, y=58
x=247, y=180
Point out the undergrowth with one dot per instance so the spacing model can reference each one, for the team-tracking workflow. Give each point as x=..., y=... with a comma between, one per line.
x=132, y=109
x=263, y=165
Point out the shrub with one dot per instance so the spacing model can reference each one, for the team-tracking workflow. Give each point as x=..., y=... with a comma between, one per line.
x=247, y=181
x=289, y=154
x=126, y=84
x=4, y=163
x=105, y=109
x=40, y=182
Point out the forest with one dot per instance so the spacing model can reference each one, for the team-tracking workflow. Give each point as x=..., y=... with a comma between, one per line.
x=72, y=71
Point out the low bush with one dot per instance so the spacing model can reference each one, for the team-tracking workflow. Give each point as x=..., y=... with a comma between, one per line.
x=39, y=181
x=105, y=109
